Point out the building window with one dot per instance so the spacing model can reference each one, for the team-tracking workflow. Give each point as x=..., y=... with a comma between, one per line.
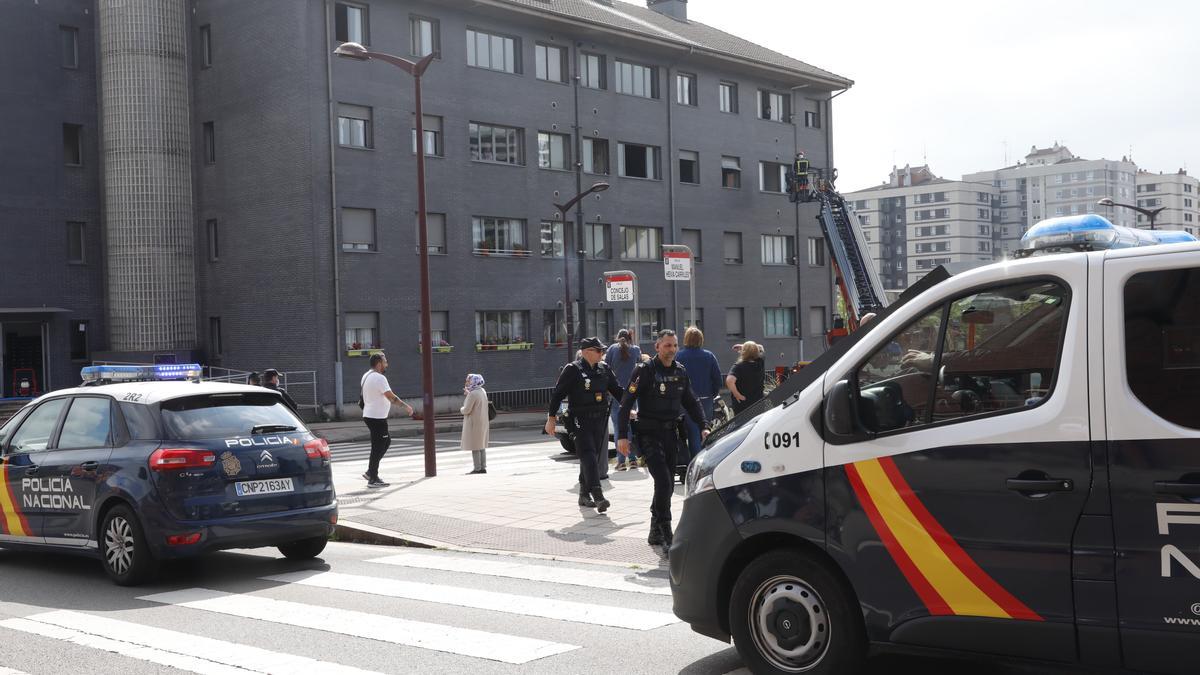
x=688, y=322
x=493, y=52
x=439, y=329
x=691, y=239
x=491, y=143
x=985, y=230
x=551, y=63
x=816, y=251
x=358, y=229
x=729, y=97
x=595, y=156
x=354, y=126
x=432, y=126
x=501, y=328
x=210, y=143
x=636, y=79
x=812, y=116
x=72, y=144
x=598, y=322
x=552, y=239
x=350, y=23
x=79, y=341
x=648, y=324
x=985, y=246
x=735, y=322
x=595, y=242
x=816, y=320
x=362, y=330
x=641, y=243
x=214, y=336
x=499, y=236
x=685, y=89
x=426, y=36
x=772, y=177
x=638, y=161
x=435, y=234
x=778, y=249
x=76, y=243
x=773, y=106
x=731, y=172
x=205, y=46
x=554, y=328
x=689, y=167
x=69, y=39
x=592, y=71
x=779, y=322
x=214, y=241
x=732, y=242
x=554, y=151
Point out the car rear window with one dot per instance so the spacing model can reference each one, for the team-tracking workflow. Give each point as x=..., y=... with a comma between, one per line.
x=196, y=418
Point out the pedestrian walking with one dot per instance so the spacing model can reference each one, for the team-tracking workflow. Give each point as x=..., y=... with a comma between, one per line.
x=476, y=427
x=662, y=391
x=376, y=402
x=586, y=383
x=745, y=378
x=705, y=375
x=270, y=379
x=622, y=357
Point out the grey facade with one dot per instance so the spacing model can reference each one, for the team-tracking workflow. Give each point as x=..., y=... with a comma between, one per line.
x=280, y=282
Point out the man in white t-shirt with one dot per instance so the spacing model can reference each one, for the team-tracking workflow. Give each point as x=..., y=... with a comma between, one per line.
x=377, y=400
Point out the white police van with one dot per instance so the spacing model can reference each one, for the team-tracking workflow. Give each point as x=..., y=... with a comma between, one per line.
x=1005, y=462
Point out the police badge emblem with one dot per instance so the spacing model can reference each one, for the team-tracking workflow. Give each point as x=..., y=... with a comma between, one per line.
x=662, y=387
x=587, y=384
x=599, y=397
x=231, y=464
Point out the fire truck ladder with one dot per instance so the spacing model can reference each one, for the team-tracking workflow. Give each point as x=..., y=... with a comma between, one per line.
x=857, y=278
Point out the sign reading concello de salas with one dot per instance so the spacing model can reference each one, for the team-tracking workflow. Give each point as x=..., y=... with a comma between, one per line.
x=677, y=265
x=619, y=288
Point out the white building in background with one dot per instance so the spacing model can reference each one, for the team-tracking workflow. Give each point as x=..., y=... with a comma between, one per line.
x=1176, y=193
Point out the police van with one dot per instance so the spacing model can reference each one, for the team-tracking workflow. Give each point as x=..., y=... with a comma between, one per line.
x=138, y=466
x=1006, y=461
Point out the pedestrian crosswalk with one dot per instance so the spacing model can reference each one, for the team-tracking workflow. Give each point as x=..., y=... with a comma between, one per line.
x=477, y=622
x=413, y=449
x=450, y=458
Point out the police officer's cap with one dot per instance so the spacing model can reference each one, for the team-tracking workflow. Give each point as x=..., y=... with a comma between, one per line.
x=591, y=343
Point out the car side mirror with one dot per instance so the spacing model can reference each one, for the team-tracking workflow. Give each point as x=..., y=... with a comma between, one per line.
x=841, y=425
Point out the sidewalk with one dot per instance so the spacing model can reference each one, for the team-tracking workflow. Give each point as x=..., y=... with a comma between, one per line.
x=405, y=427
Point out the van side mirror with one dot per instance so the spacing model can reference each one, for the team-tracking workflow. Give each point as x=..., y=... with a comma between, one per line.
x=839, y=411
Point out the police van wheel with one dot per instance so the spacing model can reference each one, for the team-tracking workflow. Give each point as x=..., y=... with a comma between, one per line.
x=304, y=549
x=789, y=614
x=123, y=550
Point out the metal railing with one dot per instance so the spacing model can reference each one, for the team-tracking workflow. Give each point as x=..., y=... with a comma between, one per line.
x=516, y=399
x=301, y=385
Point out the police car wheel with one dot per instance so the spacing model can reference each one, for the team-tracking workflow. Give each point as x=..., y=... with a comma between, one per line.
x=304, y=549
x=123, y=549
x=789, y=614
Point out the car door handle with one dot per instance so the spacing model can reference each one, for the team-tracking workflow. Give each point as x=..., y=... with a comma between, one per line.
x=1168, y=487
x=31, y=470
x=90, y=466
x=1040, y=484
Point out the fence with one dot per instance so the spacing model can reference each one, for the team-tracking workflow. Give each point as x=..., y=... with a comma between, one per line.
x=518, y=399
x=301, y=385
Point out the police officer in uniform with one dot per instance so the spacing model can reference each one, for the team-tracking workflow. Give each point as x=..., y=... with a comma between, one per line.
x=662, y=391
x=586, y=383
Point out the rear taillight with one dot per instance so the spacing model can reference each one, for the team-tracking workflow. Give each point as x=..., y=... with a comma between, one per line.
x=317, y=448
x=183, y=539
x=169, y=459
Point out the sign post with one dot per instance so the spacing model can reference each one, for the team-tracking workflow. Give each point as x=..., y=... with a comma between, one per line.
x=621, y=286
x=677, y=266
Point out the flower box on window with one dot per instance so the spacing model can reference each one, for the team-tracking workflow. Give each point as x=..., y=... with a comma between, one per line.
x=356, y=351
x=438, y=349
x=509, y=347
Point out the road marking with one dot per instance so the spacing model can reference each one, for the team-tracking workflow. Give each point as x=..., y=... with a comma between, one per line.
x=10, y=671
x=616, y=581
x=449, y=639
x=167, y=647
x=562, y=610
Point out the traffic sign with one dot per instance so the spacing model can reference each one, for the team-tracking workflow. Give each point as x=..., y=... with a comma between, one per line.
x=677, y=265
x=619, y=288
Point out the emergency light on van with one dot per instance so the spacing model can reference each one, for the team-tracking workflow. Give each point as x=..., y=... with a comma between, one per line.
x=1090, y=232
x=161, y=372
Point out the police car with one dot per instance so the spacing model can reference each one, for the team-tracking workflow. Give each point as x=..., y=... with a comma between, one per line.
x=1005, y=462
x=138, y=466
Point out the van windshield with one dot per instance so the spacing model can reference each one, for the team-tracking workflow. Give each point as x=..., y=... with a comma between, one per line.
x=211, y=416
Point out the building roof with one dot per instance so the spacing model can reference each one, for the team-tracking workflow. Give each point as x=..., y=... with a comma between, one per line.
x=645, y=22
x=918, y=186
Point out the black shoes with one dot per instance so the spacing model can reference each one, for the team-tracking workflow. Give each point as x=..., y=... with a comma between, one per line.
x=472, y=473
x=585, y=499
x=376, y=483
x=667, y=535
x=602, y=504
x=660, y=533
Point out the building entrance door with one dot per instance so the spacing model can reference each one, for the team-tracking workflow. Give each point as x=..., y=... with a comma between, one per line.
x=22, y=358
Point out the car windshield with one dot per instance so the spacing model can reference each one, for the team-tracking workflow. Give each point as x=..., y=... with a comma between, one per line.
x=196, y=418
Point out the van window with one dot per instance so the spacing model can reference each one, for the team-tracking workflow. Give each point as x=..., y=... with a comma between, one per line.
x=198, y=418
x=894, y=386
x=1162, y=342
x=34, y=433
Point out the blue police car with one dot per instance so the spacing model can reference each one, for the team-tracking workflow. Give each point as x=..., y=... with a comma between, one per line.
x=146, y=463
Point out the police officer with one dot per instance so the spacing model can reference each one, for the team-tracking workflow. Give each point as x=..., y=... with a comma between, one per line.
x=586, y=383
x=662, y=391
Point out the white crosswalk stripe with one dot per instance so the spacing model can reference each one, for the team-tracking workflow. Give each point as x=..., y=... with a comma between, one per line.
x=167, y=647
x=611, y=580
x=620, y=617
x=10, y=671
x=463, y=641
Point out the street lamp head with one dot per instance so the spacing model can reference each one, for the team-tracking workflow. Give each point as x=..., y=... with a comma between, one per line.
x=352, y=50
x=1107, y=201
x=599, y=187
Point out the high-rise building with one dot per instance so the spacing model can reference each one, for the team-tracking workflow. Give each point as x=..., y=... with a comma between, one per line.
x=1178, y=194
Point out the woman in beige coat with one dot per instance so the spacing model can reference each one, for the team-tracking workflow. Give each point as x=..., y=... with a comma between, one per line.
x=475, y=422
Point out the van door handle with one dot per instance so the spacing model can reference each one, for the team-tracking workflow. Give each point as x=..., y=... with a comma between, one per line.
x=1168, y=487
x=1039, y=485
x=90, y=466
x=31, y=471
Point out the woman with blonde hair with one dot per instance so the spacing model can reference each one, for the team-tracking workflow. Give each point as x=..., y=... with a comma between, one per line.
x=746, y=378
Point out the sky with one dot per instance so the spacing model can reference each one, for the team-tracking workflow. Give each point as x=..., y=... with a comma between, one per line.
x=967, y=86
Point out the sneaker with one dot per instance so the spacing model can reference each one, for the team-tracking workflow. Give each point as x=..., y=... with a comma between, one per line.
x=621, y=466
x=367, y=476
x=377, y=483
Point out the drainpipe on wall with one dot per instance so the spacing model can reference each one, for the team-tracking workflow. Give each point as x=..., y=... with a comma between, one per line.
x=670, y=173
x=581, y=316
x=338, y=394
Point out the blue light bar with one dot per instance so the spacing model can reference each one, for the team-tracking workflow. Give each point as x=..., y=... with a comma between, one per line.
x=1091, y=233
x=157, y=373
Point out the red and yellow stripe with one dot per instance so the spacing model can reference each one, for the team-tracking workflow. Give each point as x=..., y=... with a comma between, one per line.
x=945, y=578
x=12, y=521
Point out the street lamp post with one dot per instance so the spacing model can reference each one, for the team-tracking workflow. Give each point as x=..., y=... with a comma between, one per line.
x=1149, y=213
x=354, y=50
x=568, y=315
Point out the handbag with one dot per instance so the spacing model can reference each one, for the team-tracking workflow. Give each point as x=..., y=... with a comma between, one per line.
x=491, y=411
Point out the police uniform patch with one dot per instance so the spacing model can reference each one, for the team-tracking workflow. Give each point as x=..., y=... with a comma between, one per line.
x=662, y=388
x=599, y=397
x=587, y=384
x=633, y=388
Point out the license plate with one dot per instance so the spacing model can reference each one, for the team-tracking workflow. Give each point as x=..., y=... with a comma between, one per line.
x=263, y=487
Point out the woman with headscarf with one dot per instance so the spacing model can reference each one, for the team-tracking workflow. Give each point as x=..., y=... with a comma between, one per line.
x=746, y=379
x=475, y=421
